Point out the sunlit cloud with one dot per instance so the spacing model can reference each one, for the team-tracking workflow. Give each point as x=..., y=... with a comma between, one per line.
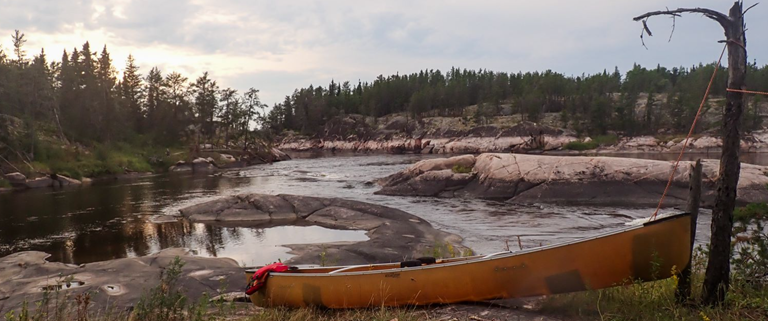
x=279, y=46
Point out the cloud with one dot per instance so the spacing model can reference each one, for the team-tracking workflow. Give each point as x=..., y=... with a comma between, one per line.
x=277, y=46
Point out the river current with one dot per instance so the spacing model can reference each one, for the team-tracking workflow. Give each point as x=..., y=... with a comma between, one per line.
x=110, y=220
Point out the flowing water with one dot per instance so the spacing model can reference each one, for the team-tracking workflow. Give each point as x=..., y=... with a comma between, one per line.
x=131, y=218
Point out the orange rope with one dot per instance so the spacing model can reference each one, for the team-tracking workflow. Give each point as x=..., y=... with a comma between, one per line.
x=690, y=132
x=747, y=91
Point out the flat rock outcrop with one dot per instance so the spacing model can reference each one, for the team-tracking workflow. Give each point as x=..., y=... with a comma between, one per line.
x=455, y=135
x=117, y=283
x=752, y=142
x=393, y=234
x=19, y=181
x=565, y=179
x=428, y=136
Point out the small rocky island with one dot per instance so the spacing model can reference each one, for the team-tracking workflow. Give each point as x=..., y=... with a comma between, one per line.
x=394, y=235
x=565, y=179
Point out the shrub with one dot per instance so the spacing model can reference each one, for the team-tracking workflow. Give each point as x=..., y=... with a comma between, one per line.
x=579, y=145
x=597, y=141
x=165, y=301
x=461, y=169
x=606, y=140
x=750, y=260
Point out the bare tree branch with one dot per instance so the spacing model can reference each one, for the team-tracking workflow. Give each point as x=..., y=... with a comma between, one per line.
x=750, y=7
x=722, y=19
x=648, y=30
x=642, y=35
x=673, y=28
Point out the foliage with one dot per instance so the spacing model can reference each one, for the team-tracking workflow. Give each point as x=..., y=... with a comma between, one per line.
x=656, y=301
x=461, y=169
x=580, y=145
x=4, y=183
x=79, y=102
x=592, y=104
x=599, y=140
x=104, y=159
x=165, y=301
x=750, y=261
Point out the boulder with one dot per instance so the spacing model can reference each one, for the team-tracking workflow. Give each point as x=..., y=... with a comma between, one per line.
x=39, y=182
x=117, y=284
x=50, y=181
x=203, y=165
x=279, y=156
x=385, y=226
x=16, y=179
x=276, y=207
x=180, y=166
x=227, y=158
x=567, y=179
x=199, y=165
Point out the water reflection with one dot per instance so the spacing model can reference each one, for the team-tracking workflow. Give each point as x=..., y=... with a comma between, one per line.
x=122, y=219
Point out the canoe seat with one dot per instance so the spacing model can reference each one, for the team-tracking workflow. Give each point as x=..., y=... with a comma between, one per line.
x=412, y=263
x=427, y=260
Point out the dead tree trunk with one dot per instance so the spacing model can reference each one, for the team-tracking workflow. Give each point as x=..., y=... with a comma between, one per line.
x=683, y=291
x=717, y=276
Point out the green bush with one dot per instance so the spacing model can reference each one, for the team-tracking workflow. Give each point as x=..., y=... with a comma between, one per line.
x=750, y=262
x=578, y=145
x=606, y=140
x=597, y=141
x=461, y=169
x=165, y=301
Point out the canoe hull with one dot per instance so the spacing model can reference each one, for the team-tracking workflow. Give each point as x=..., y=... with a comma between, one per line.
x=646, y=252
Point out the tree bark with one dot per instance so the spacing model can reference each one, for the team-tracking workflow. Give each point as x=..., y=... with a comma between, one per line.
x=717, y=277
x=683, y=291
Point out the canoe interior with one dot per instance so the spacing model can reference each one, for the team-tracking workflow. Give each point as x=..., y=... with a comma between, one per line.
x=642, y=252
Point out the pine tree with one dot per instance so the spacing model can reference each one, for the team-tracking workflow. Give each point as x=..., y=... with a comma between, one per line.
x=132, y=94
x=106, y=103
x=206, y=104
x=18, y=47
x=155, y=97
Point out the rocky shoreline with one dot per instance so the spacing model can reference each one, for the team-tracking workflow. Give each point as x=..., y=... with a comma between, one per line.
x=567, y=180
x=440, y=135
x=117, y=284
x=393, y=234
x=19, y=181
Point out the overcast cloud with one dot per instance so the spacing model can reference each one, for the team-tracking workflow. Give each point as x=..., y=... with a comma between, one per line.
x=277, y=46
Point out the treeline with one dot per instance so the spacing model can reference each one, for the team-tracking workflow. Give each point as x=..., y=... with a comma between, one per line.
x=82, y=99
x=591, y=104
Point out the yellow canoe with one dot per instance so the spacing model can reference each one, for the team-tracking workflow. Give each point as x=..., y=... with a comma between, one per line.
x=642, y=252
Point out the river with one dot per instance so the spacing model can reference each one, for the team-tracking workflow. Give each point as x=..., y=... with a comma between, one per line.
x=110, y=220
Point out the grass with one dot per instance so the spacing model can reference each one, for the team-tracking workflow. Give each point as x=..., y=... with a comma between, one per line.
x=597, y=141
x=580, y=145
x=78, y=162
x=637, y=301
x=380, y=314
x=656, y=301
x=747, y=297
x=461, y=169
x=447, y=250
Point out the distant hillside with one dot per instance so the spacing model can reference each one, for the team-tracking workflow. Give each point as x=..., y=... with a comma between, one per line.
x=588, y=104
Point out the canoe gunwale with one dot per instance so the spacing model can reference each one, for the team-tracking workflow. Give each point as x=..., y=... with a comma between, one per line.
x=478, y=259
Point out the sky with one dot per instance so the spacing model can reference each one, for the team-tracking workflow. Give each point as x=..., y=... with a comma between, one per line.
x=278, y=46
